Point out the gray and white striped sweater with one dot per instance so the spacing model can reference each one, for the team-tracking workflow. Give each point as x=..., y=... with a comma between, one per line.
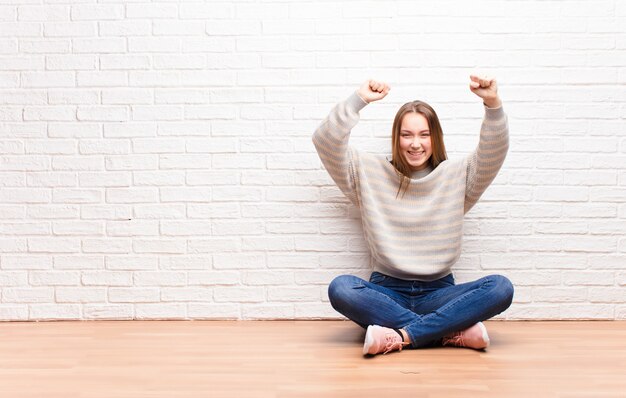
x=416, y=236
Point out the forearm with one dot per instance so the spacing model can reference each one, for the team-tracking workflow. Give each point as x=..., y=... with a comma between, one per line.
x=331, y=140
x=487, y=159
x=341, y=119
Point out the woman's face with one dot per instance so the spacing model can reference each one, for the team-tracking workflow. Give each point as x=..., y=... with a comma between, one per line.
x=415, y=143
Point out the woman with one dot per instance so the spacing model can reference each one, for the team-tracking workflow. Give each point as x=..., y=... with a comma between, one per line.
x=412, y=210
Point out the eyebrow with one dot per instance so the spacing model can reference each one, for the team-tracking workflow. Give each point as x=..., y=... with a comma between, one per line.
x=409, y=131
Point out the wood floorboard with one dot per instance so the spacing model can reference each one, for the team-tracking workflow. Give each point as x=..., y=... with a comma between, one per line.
x=150, y=359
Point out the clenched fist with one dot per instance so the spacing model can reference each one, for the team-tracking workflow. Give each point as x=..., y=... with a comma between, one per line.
x=373, y=90
x=486, y=88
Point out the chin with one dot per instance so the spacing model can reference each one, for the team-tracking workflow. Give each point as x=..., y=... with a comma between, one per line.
x=419, y=166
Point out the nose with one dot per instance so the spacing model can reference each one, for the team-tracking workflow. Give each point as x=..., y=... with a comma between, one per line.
x=415, y=143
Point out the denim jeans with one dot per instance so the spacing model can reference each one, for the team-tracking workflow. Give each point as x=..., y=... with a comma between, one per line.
x=427, y=311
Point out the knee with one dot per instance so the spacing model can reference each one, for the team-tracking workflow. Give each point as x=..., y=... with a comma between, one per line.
x=503, y=289
x=340, y=289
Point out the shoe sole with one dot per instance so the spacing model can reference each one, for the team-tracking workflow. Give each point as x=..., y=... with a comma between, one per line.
x=369, y=340
x=483, y=329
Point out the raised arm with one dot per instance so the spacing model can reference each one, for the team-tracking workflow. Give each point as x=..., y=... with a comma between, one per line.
x=484, y=163
x=332, y=136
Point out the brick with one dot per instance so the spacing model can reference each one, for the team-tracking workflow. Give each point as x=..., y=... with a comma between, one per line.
x=35, y=46
x=151, y=10
x=108, y=245
x=71, y=62
x=213, y=210
x=213, y=277
x=267, y=243
x=54, y=312
x=150, y=112
x=107, y=311
x=159, y=278
x=159, y=211
x=181, y=96
x=91, y=12
x=185, y=228
x=185, y=61
x=214, y=145
x=70, y=29
x=22, y=63
x=239, y=261
x=102, y=113
x=132, y=228
x=14, y=312
x=560, y=295
x=126, y=28
x=53, y=245
x=159, y=178
x=587, y=311
x=65, y=195
x=28, y=262
x=214, y=245
x=160, y=311
x=74, y=130
x=110, y=212
x=55, y=179
x=130, y=263
x=265, y=178
x=191, y=194
x=268, y=311
x=265, y=277
x=292, y=294
x=99, y=46
x=161, y=246
x=80, y=295
x=187, y=294
x=78, y=228
x=126, y=96
x=186, y=262
x=25, y=228
x=107, y=179
x=28, y=295
x=322, y=244
x=78, y=262
x=237, y=228
x=212, y=178
x=124, y=62
x=214, y=311
x=239, y=294
x=133, y=295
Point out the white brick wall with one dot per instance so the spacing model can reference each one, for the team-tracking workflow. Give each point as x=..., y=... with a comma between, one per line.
x=156, y=162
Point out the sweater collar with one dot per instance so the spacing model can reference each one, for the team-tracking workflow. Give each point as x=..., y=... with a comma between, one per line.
x=416, y=175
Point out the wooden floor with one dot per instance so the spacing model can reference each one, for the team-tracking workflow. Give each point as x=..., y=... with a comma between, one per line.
x=303, y=359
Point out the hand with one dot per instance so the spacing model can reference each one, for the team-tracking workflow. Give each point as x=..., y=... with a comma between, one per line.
x=373, y=90
x=487, y=89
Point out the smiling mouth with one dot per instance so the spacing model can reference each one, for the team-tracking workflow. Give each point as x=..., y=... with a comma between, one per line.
x=415, y=153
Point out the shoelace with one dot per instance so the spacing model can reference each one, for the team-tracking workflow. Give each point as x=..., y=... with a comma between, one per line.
x=392, y=343
x=456, y=339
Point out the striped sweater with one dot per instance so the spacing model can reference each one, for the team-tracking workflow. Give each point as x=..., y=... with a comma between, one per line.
x=416, y=236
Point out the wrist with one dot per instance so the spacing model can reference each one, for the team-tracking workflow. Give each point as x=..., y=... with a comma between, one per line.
x=492, y=102
x=363, y=97
x=356, y=102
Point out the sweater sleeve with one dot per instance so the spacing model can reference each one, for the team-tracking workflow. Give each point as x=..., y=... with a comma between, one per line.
x=331, y=142
x=484, y=163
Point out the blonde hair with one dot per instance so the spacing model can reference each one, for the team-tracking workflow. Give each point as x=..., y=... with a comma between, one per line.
x=436, y=139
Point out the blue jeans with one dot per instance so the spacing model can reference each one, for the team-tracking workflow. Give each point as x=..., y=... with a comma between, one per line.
x=427, y=311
